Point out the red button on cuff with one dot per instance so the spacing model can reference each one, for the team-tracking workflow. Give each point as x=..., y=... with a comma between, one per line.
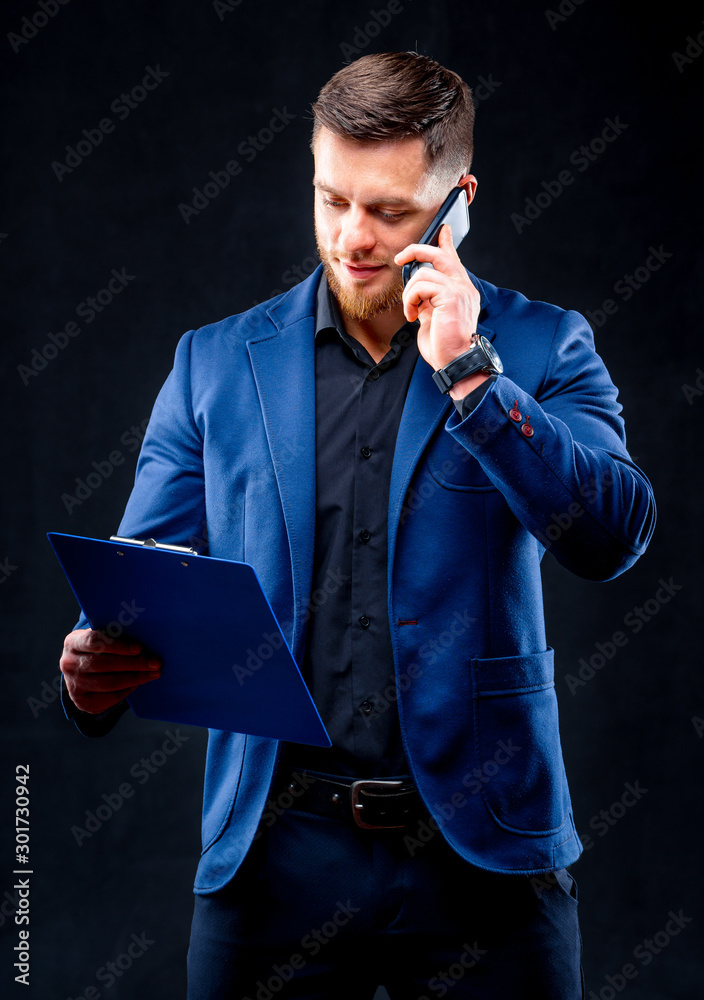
x=515, y=413
x=526, y=428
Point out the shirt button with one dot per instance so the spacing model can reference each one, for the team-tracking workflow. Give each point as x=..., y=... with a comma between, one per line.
x=366, y=707
x=365, y=535
x=364, y=621
x=366, y=452
x=374, y=374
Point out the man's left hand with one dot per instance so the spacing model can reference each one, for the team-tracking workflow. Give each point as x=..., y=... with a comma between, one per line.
x=443, y=298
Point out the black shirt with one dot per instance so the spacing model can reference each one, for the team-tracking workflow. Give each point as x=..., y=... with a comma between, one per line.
x=348, y=661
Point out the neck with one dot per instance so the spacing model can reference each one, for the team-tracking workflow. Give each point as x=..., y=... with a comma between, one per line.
x=375, y=334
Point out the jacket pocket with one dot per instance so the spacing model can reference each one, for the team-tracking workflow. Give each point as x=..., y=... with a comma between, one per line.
x=455, y=468
x=517, y=742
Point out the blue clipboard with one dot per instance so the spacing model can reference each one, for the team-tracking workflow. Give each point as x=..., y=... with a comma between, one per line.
x=226, y=663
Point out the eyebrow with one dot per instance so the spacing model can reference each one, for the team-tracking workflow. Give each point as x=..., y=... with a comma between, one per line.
x=383, y=200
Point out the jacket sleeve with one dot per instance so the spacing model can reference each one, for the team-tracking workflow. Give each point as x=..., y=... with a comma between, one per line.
x=560, y=460
x=168, y=498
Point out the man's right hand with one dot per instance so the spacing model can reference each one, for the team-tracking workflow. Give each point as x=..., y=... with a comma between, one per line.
x=100, y=672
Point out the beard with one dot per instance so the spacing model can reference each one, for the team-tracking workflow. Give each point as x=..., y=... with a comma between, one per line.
x=357, y=302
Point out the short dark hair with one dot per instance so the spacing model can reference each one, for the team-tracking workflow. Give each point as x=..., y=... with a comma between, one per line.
x=392, y=95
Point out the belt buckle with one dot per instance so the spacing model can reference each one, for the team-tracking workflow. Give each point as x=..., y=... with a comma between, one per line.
x=358, y=807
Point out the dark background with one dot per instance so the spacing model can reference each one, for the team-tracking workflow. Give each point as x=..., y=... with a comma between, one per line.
x=547, y=90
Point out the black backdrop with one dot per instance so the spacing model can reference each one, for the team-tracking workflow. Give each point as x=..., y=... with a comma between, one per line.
x=77, y=398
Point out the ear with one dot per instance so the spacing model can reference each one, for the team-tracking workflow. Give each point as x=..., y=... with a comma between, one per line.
x=469, y=183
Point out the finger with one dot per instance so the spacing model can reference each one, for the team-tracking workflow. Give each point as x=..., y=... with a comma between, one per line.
x=445, y=236
x=95, y=641
x=106, y=663
x=436, y=255
x=417, y=251
x=426, y=285
x=110, y=683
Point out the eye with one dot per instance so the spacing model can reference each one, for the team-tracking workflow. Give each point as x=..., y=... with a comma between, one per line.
x=331, y=204
x=391, y=217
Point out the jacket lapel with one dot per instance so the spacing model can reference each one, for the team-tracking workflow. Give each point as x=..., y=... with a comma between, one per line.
x=283, y=363
x=425, y=406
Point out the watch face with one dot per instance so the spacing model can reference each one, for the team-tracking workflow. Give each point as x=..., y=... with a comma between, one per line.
x=491, y=354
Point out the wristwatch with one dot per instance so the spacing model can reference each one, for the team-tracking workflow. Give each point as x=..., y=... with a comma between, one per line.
x=480, y=358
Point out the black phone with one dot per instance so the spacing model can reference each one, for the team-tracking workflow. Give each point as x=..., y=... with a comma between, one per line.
x=455, y=211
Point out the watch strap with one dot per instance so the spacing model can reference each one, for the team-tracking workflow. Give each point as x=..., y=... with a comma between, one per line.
x=471, y=361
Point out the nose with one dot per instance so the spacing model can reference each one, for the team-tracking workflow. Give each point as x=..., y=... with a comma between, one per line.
x=356, y=232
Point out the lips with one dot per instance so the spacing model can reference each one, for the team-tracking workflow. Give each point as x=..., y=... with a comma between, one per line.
x=362, y=270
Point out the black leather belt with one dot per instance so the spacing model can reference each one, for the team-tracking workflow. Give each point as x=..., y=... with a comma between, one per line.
x=372, y=804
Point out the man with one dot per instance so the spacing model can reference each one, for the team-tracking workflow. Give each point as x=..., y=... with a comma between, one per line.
x=396, y=522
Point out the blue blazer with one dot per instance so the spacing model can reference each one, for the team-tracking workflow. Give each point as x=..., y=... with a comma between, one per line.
x=474, y=503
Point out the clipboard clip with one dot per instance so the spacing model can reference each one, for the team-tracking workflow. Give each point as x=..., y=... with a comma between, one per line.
x=151, y=543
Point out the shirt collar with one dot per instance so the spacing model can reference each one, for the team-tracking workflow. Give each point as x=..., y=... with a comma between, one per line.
x=327, y=312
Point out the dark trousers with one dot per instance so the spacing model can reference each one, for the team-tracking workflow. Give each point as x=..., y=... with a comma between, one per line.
x=323, y=910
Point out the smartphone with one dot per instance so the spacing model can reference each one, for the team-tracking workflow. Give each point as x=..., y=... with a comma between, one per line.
x=455, y=211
